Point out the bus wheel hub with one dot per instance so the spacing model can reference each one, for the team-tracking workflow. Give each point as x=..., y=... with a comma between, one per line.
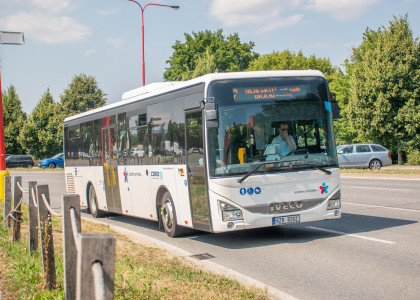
x=167, y=214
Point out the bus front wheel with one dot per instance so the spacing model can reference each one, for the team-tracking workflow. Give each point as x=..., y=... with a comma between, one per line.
x=168, y=215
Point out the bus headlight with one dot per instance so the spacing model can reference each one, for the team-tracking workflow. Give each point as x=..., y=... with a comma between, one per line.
x=335, y=201
x=229, y=212
x=232, y=215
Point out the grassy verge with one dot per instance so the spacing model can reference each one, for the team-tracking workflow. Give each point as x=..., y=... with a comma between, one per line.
x=367, y=171
x=141, y=272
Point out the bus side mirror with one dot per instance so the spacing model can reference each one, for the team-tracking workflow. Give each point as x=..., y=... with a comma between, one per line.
x=211, y=114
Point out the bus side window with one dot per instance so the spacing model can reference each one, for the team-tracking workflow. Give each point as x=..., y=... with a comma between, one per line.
x=123, y=157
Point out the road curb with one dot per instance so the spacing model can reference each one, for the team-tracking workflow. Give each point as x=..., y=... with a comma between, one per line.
x=207, y=265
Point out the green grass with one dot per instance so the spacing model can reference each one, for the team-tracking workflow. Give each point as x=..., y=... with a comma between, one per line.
x=367, y=171
x=141, y=272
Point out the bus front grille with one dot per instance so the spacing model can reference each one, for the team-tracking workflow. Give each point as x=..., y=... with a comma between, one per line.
x=71, y=189
x=284, y=207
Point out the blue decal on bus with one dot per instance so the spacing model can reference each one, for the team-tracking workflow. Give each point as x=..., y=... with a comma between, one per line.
x=250, y=191
x=327, y=106
x=242, y=191
x=125, y=175
x=257, y=190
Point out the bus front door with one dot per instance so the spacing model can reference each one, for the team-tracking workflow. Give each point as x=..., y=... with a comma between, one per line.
x=197, y=183
x=112, y=189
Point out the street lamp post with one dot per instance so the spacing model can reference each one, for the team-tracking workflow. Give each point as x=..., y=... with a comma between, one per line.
x=142, y=31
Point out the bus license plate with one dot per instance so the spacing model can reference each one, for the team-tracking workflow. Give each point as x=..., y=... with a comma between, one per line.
x=286, y=220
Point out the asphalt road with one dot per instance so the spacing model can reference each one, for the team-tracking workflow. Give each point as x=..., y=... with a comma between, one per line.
x=372, y=252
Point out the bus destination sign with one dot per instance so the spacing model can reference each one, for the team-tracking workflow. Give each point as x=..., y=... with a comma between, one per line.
x=245, y=94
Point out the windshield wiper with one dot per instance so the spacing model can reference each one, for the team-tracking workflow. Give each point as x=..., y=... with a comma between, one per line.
x=325, y=171
x=255, y=169
x=286, y=162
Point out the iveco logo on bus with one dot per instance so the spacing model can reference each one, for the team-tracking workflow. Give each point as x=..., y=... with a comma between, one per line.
x=285, y=205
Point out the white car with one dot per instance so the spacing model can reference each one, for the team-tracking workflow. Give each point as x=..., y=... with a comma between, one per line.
x=372, y=156
x=138, y=152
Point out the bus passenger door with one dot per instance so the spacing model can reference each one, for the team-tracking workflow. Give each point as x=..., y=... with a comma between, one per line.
x=112, y=189
x=197, y=184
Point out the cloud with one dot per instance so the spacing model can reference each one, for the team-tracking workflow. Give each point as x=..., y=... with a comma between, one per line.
x=342, y=9
x=89, y=52
x=351, y=45
x=46, y=28
x=51, y=5
x=115, y=42
x=267, y=15
x=105, y=12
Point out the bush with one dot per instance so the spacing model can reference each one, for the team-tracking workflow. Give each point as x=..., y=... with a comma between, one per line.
x=413, y=158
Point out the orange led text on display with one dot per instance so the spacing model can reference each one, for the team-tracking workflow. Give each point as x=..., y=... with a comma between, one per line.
x=266, y=93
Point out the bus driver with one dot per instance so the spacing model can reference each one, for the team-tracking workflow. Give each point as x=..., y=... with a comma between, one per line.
x=287, y=144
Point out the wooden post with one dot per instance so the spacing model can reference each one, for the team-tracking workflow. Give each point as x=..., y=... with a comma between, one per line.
x=33, y=219
x=17, y=196
x=70, y=249
x=95, y=248
x=7, y=199
x=47, y=246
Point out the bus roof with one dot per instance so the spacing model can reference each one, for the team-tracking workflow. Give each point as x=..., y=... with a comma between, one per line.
x=158, y=88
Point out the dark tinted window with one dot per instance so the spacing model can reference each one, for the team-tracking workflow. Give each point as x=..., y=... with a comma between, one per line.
x=123, y=146
x=377, y=148
x=347, y=150
x=72, y=144
x=362, y=148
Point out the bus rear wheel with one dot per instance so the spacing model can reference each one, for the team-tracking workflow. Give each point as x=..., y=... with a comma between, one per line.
x=168, y=215
x=93, y=203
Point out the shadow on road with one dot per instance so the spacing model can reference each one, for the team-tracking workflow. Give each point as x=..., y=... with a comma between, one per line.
x=349, y=224
x=253, y=238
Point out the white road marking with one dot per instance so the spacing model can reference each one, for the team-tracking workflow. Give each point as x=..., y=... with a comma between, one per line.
x=380, y=206
x=375, y=188
x=352, y=235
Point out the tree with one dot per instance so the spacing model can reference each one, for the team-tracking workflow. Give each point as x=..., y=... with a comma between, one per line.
x=81, y=95
x=205, y=64
x=287, y=60
x=42, y=135
x=384, y=102
x=13, y=119
x=224, y=54
x=343, y=129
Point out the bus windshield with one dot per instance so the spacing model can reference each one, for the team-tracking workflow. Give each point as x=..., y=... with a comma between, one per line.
x=285, y=120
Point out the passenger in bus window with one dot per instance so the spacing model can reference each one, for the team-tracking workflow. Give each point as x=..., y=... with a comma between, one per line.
x=287, y=144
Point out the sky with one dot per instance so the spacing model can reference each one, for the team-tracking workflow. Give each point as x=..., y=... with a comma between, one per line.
x=102, y=38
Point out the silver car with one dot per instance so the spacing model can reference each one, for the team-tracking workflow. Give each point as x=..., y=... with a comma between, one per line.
x=372, y=156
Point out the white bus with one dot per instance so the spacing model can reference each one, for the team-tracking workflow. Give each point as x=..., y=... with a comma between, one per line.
x=205, y=153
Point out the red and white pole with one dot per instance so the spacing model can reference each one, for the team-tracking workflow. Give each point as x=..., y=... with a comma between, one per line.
x=2, y=147
x=7, y=38
x=3, y=171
